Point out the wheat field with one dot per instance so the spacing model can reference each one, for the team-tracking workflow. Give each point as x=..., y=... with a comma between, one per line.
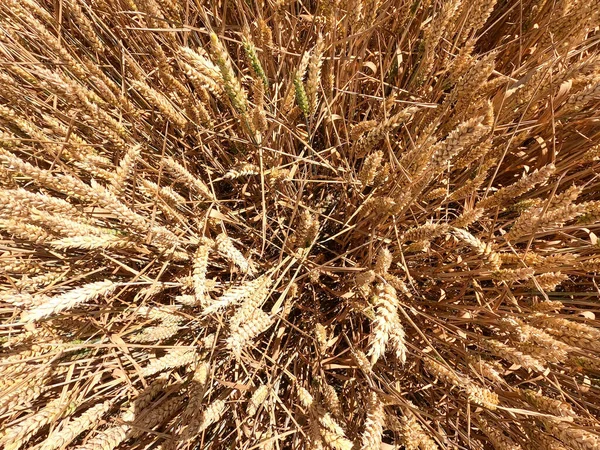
x=276, y=224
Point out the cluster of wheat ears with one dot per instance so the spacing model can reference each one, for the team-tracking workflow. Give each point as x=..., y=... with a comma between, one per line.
x=333, y=224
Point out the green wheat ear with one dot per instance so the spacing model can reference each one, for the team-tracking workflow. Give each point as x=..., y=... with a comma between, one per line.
x=255, y=62
x=301, y=97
